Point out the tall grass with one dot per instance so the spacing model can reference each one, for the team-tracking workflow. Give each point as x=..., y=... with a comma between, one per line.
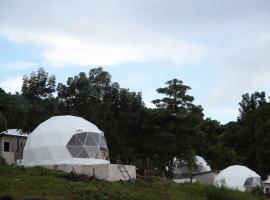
x=21, y=183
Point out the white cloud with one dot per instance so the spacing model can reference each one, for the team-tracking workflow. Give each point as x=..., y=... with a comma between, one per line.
x=232, y=37
x=224, y=114
x=12, y=84
x=62, y=50
x=245, y=69
x=242, y=69
x=18, y=65
x=151, y=95
x=88, y=37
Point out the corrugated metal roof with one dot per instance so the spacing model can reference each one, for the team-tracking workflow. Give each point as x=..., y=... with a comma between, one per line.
x=14, y=132
x=267, y=181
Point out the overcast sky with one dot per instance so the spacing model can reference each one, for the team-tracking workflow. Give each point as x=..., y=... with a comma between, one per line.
x=220, y=48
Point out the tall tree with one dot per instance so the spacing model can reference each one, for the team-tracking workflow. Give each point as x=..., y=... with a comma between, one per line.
x=39, y=85
x=249, y=120
x=4, y=109
x=115, y=110
x=38, y=89
x=181, y=118
x=176, y=96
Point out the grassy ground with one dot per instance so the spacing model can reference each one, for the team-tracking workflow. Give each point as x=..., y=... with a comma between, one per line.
x=21, y=183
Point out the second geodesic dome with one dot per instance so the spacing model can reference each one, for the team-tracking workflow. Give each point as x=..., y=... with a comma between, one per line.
x=238, y=177
x=181, y=169
x=66, y=140
x=202, y=165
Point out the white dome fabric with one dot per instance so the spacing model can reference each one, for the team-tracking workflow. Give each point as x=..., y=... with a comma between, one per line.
x=66, y=140
x=238, y=177
x=202, y=164
x=181, y=169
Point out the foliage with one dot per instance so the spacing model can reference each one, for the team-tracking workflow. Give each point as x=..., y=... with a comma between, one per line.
x=38, y=85
x=37, y=98
x=249, y=136
x=182, y=122
x=2, y=161
x=176, y=97
x=212, y=193
x=148, y=137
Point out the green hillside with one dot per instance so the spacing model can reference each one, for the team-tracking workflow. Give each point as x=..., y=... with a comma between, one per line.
x=21, y=183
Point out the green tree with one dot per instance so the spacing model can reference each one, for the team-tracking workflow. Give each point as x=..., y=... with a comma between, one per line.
x=4, y=109
x=250, y=103
x=115, y=110
x=248, y=119
x=176, y=96
x=181, y=118
x=249, y=136
x=221, y=156
x=39, y=85
x=38, y=90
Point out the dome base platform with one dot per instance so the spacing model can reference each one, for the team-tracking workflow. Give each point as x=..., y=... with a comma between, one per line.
x=108, y=172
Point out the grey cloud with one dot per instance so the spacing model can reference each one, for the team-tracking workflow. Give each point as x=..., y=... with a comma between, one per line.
x=231, y=36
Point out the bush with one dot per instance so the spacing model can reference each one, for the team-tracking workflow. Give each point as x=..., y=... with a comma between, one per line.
x=6, y=198
x=257, y=191
x=2, y=161
x=214, y=193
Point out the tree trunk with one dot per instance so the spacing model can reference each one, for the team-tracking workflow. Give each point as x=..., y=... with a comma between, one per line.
x=5, y=121
x=191, y=177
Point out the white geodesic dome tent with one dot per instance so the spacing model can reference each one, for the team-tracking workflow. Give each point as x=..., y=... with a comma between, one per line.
x=202, y=165
x=66, y=140
x=238, y=177
x=182, y=171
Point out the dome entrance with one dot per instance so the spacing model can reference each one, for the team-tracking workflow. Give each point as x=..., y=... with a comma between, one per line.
x=88, y=145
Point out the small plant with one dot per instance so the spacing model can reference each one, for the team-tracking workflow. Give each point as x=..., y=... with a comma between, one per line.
x=2, y=161
x=257, y=191
x=223, y=183
x=213, y=193
x=6, y=198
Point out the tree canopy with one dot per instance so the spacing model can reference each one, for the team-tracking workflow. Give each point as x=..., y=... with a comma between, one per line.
x=148, y=137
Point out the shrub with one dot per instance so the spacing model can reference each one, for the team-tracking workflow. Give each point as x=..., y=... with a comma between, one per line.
x=214, y=193
x=6, y=198
x=257, y=191
x=2, y=161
